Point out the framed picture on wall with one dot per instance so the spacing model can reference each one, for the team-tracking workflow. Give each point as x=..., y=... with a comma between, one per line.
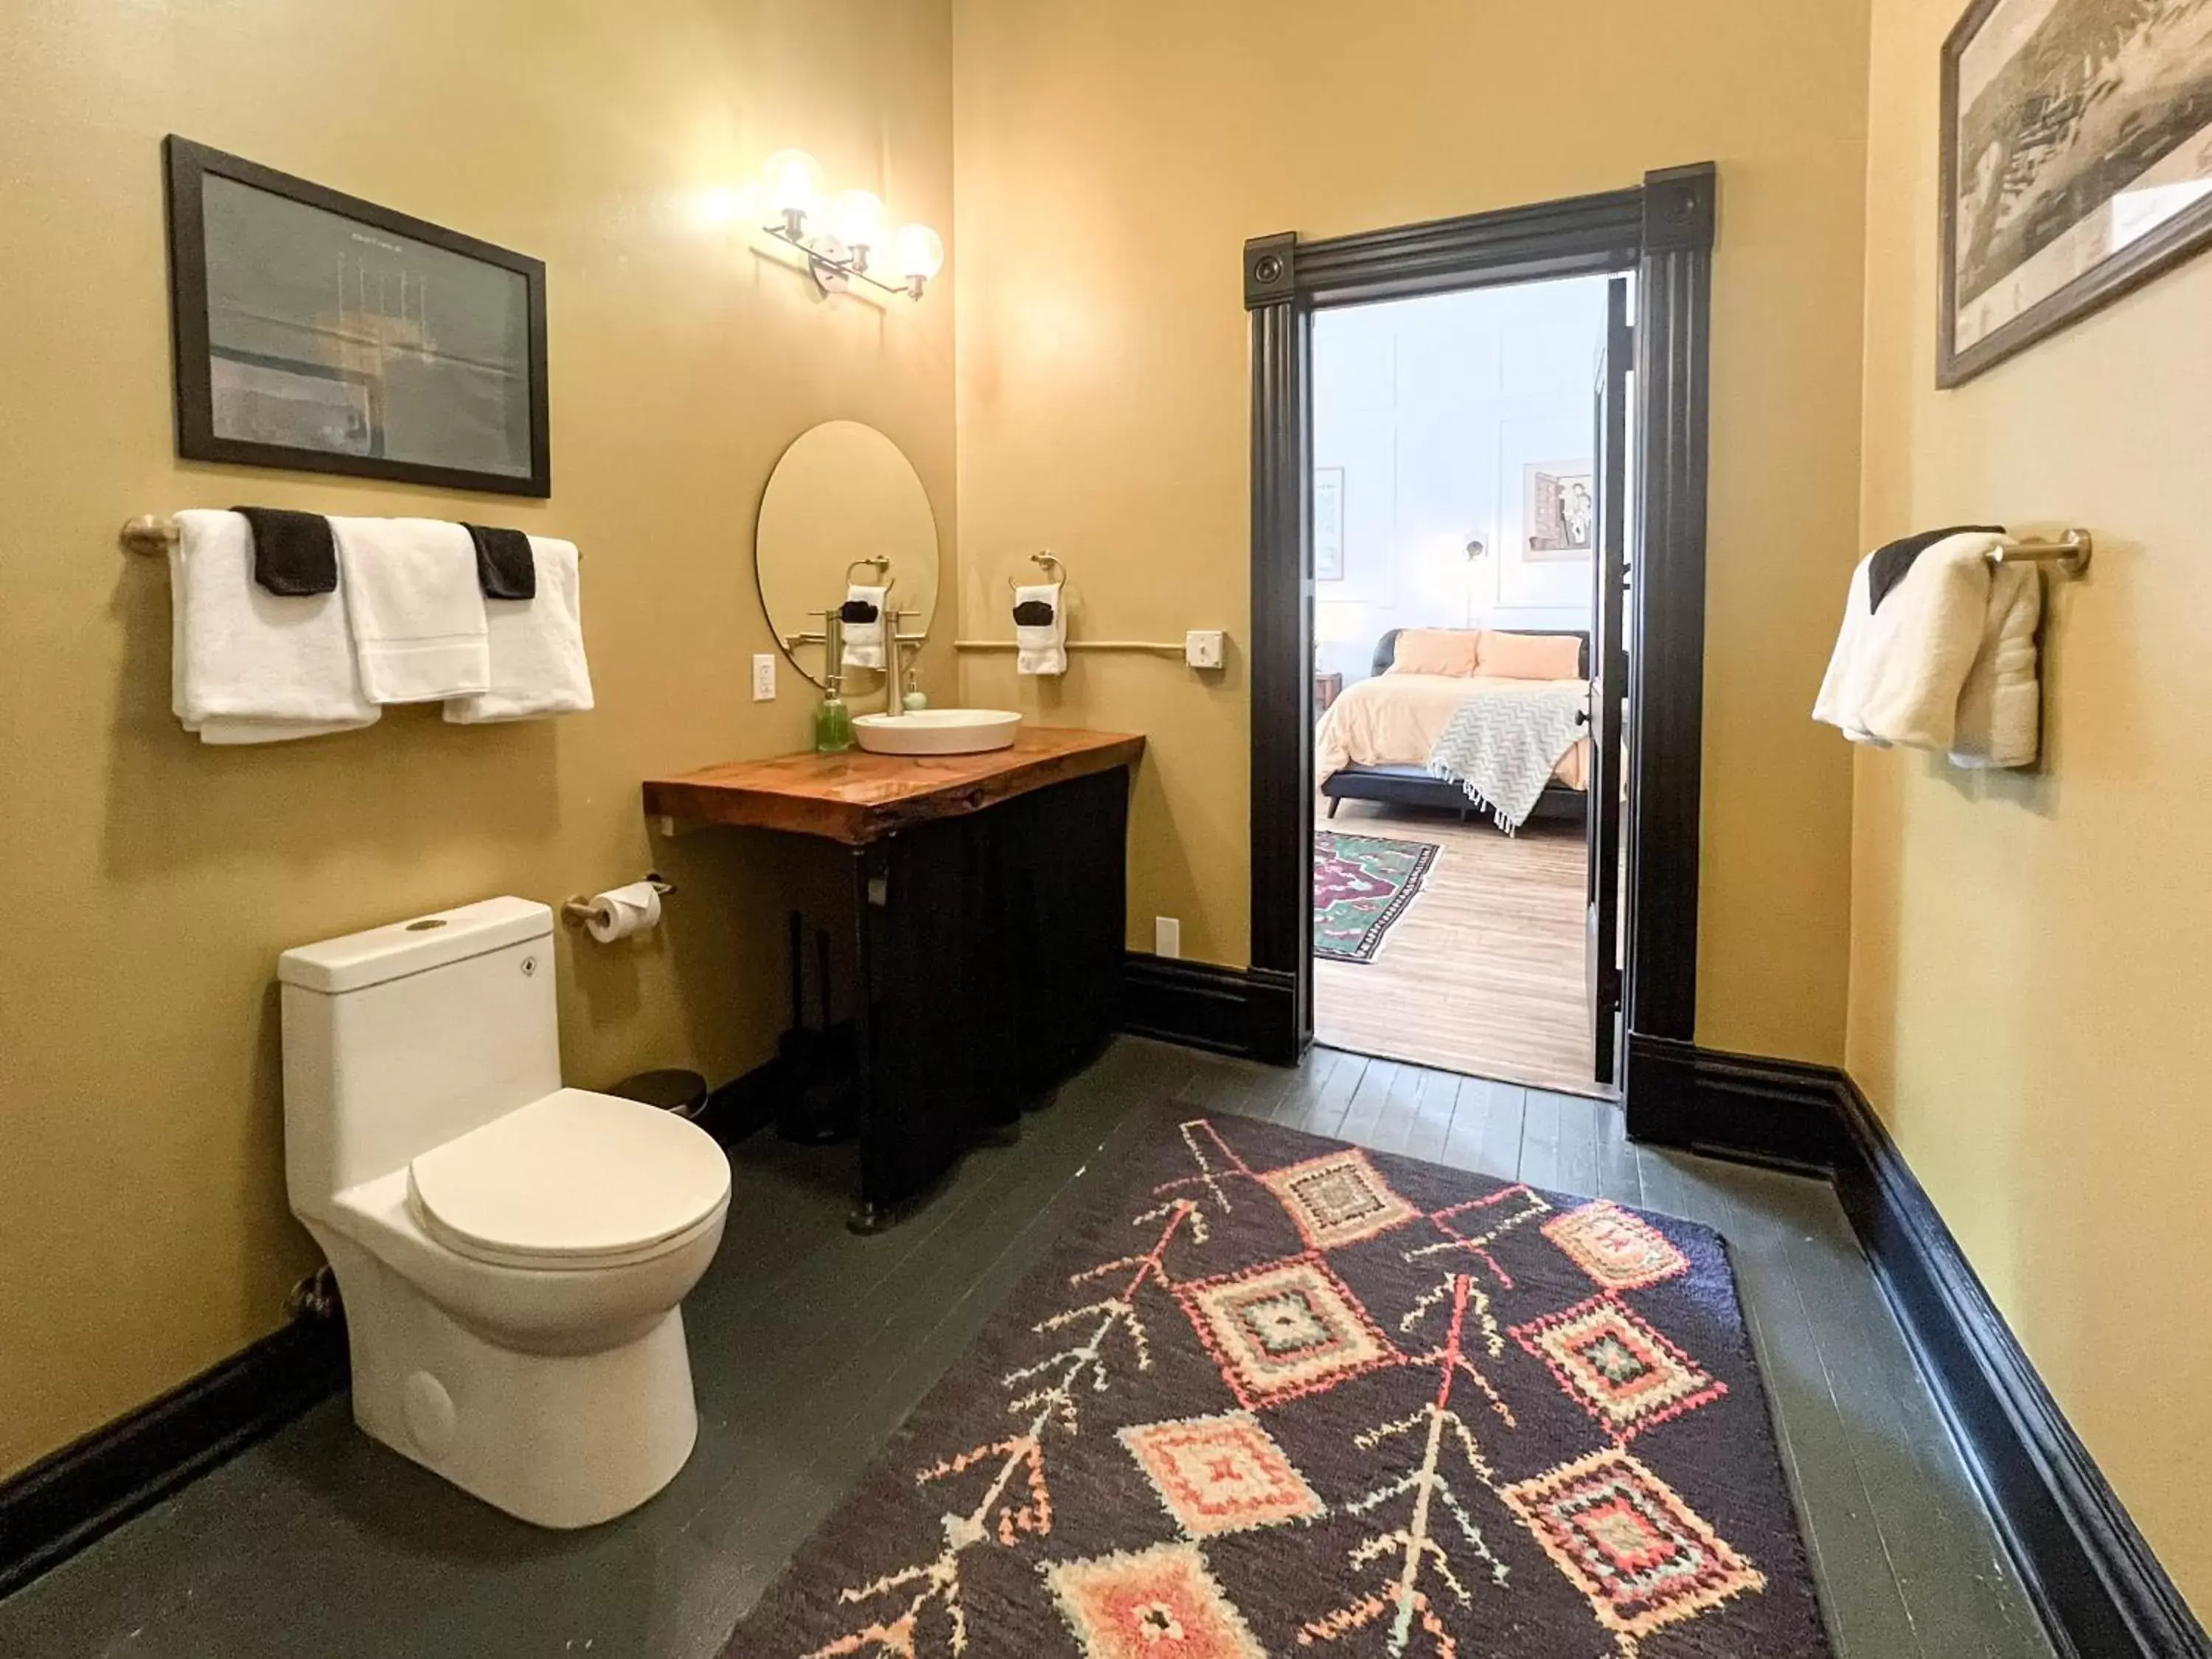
x=317, y=331
x=1329, y=524
x=1558, y=510
x=2076, y=164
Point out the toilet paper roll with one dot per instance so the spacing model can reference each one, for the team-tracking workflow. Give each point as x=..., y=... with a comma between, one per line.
x=624, y=912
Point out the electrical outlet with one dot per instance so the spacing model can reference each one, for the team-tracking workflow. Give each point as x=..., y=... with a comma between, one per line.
x=764, y=676
x=1167, y=936
x=1201, y=647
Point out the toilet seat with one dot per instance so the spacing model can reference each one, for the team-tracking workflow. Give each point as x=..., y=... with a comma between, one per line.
x=576, y=1180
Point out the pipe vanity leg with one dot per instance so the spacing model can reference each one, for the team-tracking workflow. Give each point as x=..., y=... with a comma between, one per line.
x=871, y=1213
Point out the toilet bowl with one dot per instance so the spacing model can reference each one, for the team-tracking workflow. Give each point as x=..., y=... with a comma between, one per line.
x=511, y=1254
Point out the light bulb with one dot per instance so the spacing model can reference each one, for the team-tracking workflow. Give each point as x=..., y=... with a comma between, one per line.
x=793, y=182
x=920, y=252
x=857, y=219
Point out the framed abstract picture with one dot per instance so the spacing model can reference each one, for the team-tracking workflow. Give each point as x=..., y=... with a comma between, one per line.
x=317, y=331
x=2076, y=164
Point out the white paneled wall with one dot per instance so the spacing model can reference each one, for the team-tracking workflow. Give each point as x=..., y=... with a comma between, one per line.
x=1432, y=409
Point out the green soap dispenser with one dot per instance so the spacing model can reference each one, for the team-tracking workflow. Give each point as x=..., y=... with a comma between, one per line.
x=914, y=701
x=833, y=721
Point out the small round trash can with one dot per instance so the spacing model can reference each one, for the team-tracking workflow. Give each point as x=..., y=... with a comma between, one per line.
x=683, y=1093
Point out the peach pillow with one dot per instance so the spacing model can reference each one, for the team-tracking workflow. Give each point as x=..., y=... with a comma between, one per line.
x=1529, y=656
x=1434, y=651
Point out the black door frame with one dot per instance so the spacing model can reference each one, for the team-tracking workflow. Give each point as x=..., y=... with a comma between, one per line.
x=1663, y=230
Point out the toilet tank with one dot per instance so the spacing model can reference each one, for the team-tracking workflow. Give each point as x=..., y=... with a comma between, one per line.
x=400, y=1038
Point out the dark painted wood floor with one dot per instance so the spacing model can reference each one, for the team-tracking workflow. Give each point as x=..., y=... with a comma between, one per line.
x=810, y=1344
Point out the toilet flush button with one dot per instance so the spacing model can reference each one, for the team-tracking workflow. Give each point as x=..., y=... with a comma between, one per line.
x=430, y=1411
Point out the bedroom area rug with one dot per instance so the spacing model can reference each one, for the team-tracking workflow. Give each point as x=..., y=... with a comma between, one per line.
x=1270, y=1395
x=1362, y=885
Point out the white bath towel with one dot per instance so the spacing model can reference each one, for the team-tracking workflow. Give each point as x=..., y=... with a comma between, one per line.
x=864, y=642
x=1897, y=670
x=1838, y=703
x=1042, y=648
x=247, y=666
x=416, y=612
x=2001, y=705
x=537, y=666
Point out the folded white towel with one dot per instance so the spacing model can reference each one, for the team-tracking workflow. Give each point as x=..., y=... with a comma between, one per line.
x=864, y=642
x=537, y=666
x=416, y=612
x=247, y=666
x=1898, y=670
x=1041, y=647
x=1838, y=703
x=2001, y=705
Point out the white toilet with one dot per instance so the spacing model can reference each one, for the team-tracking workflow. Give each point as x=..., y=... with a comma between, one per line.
x=511, y=1253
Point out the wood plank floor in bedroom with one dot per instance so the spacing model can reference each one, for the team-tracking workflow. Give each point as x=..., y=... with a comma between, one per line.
x=810, y=1344
x=1483, y=974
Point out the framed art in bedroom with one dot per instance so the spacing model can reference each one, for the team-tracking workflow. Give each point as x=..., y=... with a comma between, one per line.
x=2076, y=164
x=1558, y=510
x=320, y=332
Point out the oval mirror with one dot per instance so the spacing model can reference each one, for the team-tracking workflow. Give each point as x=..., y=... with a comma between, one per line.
x=842, y=494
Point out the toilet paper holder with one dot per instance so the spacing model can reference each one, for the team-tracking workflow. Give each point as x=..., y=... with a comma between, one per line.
x=578, y=910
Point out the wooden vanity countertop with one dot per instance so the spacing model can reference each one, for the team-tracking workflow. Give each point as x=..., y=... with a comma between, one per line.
x=856, y=797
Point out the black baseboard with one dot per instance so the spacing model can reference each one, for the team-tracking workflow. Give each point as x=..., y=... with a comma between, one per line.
x=2102, y=1593
x=61, y=1503
x=1199, y=1003
x=1762, y=1111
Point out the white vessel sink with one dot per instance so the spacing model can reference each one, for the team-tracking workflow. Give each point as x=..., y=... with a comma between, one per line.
x=937, y=732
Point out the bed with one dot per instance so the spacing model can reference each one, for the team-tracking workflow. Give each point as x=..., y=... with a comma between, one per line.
x=1373, y=742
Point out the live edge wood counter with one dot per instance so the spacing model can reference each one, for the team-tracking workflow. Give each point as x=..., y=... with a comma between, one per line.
x=986, y=898
x=857, y=797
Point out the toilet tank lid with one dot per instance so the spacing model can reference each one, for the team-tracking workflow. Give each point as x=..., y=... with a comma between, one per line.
x=411, y=946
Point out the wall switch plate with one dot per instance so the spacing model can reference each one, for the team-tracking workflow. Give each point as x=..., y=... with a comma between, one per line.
x=764, y=676
x=1167, y=936
x=1201, y=647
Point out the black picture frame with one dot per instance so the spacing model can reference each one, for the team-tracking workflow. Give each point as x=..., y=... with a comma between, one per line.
x=2177, y=239
x=187, y=165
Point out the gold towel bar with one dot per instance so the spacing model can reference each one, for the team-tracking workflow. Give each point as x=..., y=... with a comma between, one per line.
x=152, y=535
x=2069, y=552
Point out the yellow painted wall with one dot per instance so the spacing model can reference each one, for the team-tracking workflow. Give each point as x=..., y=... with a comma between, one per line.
x=2029, y=979
x=143, y=1223
x=1111, y=161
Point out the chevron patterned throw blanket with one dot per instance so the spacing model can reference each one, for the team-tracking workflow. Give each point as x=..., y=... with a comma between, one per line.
x=1501, y=746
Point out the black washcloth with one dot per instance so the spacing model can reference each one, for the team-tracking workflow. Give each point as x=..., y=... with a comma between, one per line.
x=505, y=568
x=1894, y=559
x=294, y=553
x=1033, y=613
x=858, y=611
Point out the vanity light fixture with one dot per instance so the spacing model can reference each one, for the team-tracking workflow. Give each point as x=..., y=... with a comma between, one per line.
x=848, y=236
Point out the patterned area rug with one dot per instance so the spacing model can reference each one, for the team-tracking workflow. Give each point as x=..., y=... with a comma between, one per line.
x=1362, y=883
x=1274, y=1395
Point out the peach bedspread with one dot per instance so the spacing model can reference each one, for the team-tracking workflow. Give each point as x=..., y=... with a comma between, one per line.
x=1395, y=719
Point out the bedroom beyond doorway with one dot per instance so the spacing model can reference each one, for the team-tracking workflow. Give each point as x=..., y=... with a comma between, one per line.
x=1468, y=506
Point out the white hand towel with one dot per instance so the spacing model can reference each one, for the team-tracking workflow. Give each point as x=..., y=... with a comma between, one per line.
x=1043, y=646
x=1838, y=703
x=247, y=666
x=864, y=642
x=1899, y=669
x=537, y=666
x=416, y=612
x=2000, y=706
x=1921, y=640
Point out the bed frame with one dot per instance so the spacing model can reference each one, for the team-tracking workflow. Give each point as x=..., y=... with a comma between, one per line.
x=1411, y=785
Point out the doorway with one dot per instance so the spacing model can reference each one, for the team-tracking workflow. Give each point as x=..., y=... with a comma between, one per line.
x=1469, y=538
x=1649, y=249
